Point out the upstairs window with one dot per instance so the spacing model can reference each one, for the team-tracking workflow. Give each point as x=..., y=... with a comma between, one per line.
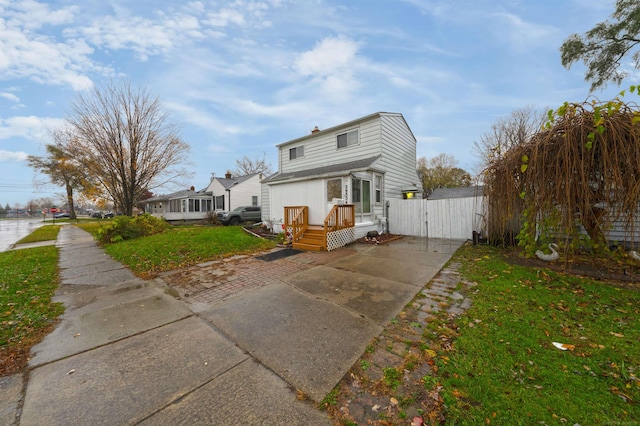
x=296, y=152
x=347, y=139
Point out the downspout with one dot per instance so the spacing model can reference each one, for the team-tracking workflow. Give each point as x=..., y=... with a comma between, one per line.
x=229, y=199
x=387, y=215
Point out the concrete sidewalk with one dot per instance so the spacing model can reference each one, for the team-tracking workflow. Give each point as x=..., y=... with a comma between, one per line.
x=128, y=352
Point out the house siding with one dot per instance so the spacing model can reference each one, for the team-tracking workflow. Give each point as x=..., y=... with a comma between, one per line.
x=398, y=156
x=322, y=150
x=305, y=193
x=240, y=194
x=385, y=136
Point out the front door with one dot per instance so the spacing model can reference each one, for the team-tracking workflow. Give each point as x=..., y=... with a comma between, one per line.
x=361, y=198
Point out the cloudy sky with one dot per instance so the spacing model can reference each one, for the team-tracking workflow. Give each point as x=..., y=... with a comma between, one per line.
x=242, y=76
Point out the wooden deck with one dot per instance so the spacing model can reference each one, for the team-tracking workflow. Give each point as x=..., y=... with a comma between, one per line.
x=304, y=236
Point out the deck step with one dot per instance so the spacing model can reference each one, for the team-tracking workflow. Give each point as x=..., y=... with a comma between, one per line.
x=307, y=247
x=313, y=239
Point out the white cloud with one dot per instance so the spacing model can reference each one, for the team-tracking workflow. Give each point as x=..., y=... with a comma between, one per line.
x=29, y=127
x=520, y=34
x=10, y=96
x=26, y=54
x=332, y=65
x=12, y=155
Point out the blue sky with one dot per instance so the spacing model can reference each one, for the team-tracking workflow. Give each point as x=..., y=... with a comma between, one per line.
x=242, y=76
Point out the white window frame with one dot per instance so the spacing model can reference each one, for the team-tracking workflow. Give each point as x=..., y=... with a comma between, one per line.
x=377, y=191
x=352, y=137
x=296, y=152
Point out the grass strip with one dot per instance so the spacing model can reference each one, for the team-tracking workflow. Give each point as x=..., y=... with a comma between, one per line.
x=44, y=233
x=28, y=281
x=183, y=246
x=504, y=367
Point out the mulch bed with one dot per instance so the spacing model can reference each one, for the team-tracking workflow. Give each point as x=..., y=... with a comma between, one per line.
x=616, y=273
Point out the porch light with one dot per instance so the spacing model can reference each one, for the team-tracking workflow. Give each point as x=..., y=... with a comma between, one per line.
x=409, y=191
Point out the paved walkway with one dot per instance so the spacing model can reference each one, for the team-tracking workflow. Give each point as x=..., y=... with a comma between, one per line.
x=238, y=342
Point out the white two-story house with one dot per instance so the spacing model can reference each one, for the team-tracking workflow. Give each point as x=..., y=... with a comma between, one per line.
x=360, y=165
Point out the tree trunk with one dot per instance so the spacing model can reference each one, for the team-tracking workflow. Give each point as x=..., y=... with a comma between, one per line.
x=72, y=209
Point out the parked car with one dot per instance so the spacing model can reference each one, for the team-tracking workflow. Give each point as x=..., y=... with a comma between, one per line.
x=241, y=214
x=108, y=215
x=61, y=215
x=97, y=214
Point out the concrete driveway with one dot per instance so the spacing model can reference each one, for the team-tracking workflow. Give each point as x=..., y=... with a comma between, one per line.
x=243, y=340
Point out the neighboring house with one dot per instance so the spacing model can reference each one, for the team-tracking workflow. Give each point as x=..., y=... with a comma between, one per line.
x=187, y=205
x=231, y=192
x=222, y=194
x=362, y=164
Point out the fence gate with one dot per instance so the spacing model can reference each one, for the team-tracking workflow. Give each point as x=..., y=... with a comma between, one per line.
x=454, y=218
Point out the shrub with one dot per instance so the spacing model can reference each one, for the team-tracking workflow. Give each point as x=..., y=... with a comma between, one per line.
x=127, y=228
x=212, y=218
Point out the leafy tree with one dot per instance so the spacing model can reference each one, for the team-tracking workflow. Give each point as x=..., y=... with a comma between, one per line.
x=603, y=47
x=507, y=133
x=61, y=168
x=441, y=172
x=126, y=142
x=247, y=166
x=2, y=210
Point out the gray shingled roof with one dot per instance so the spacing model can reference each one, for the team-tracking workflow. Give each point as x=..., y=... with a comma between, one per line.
x=185, y=193
x=228, y=183
x=355, y=165
x=464, y=192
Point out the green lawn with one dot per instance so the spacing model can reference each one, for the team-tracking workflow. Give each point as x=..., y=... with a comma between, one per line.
x=28, y=280
x=183, y=246
x=504, y=368
x=44, y=233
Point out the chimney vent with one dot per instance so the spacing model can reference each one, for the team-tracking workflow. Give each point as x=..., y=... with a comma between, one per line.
x=227, y=175
x=315, y=130
x=193, y=188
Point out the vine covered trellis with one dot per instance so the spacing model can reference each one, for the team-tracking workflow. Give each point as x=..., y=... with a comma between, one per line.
x=572, y=182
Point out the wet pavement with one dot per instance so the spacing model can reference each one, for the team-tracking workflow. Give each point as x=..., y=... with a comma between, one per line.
x=242, y=341
x=12, y=230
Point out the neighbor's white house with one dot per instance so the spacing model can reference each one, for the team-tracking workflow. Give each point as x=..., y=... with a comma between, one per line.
x=231, y=192
x=362, y=163
x=221, y=194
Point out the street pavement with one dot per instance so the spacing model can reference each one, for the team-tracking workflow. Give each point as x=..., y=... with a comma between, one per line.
x=260, y=343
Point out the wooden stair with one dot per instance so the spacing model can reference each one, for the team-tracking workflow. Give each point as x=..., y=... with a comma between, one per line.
x=313, y=239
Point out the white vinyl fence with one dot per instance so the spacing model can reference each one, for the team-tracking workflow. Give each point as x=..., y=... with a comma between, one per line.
x=454, y=218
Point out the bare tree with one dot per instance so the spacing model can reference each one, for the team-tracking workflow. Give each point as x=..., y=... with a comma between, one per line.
x=126, y=142
x=508, y=132
x=61, y=167
x=247, y=166
x=441, y=172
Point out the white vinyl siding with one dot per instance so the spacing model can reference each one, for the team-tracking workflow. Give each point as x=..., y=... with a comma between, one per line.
x=398, y=156
x=322, y=150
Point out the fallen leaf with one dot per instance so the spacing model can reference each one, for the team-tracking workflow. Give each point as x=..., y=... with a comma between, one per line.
x=73, y=370
x=616, y=334
x=417, y=421
x=375, y=408
x=563, y=346
x=393, y=401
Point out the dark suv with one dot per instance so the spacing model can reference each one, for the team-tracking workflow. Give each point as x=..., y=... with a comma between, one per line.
x=240, y=214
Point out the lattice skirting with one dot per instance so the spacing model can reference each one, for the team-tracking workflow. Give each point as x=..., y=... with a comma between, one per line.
x=341, y=238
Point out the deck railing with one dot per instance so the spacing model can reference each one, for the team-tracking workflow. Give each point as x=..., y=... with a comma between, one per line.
x=340, y=217
x=296, y=219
